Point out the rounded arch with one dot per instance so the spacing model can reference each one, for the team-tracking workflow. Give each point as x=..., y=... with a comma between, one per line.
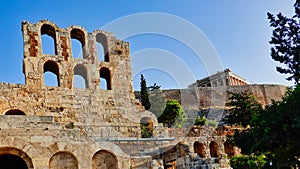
x=104, y=159
x=81, y=70
x=101, y=39
x=199, y=149
x=106, y=75
x=146, y=125
x=51, y=66
x=14, y=112
x=78, y=34
x=47, y=29
x=214, y=149
x=228, y=148
x=10, y=156
x=63, y=159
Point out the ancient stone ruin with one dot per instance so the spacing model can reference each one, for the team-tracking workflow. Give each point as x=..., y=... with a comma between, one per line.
x=62, y=126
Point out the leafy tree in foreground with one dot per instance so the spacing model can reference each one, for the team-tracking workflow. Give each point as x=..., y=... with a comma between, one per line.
x=248, y=162
x=242, y=106
x=285, y=43
x=173, y=115
x=144, y=93
x=274, y=130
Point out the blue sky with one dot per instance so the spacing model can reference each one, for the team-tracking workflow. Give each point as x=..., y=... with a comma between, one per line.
x=238, y=30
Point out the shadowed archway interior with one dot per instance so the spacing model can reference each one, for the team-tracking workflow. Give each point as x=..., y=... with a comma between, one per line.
x=10, y=161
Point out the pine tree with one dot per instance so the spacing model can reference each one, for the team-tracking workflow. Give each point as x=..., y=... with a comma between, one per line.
x=144, y=96
x=285, y=43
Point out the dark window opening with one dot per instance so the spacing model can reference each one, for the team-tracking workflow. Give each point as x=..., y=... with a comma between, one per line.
x=48, y=39
x=101, y=40
x=213, y=147
x=199, y=149
x=78, y=51
x=14, y=112
x=10, y=161
x=80, y=76
x=49, y=78
x=105, y=75
x=229, y=149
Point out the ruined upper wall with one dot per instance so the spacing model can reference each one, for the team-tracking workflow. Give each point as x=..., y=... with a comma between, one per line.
x=205, y=97
x=115, y=69
x=115, y=104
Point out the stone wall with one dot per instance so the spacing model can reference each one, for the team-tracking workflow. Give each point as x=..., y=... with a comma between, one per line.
x=214, y=97
x=64, y=126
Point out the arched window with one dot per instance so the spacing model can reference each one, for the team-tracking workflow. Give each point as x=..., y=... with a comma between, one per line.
x=146, y=127
x=102, y=47
x=228, y=149
x=14, y=158
x=214, y=150
x=51, y=66
x=8, y=161
x=14, y=112
x=78, y=42
x=104, y=160
x=48, y=39
x=105, y=76
x=199, y=149
x=80, y=76
x=63, y=160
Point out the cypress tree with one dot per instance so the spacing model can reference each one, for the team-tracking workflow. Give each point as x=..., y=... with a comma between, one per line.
x=144, y=96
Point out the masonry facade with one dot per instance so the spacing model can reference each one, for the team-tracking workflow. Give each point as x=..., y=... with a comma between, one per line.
x=56, y=126
x=98, y=126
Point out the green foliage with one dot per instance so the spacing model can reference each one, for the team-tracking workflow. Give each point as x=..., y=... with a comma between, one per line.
x=158, y=102
x=248, y=161
x=146, y=131
x=212, y=123
x=242, y=106
x=279, y=127
x=274, y=130
x=285, y=43
x=173, y=115
x=201, y=121
x=144, y=97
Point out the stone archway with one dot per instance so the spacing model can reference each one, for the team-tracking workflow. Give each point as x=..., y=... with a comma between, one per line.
x=13, y=158
x=214, y=149
x=199, y=149
x=146, y=125
x=63, y=160
x=14, y=112
x=104, y=160
x=228, y=147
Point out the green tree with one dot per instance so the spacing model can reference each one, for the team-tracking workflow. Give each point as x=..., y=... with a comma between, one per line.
x=277, y=128
x=144, y=96
x=242, y=106
x=274, y=130
x=173, y=115
x=248, y=162
x=285, y=42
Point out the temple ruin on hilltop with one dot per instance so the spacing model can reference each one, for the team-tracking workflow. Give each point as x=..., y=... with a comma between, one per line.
x=58, y=127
